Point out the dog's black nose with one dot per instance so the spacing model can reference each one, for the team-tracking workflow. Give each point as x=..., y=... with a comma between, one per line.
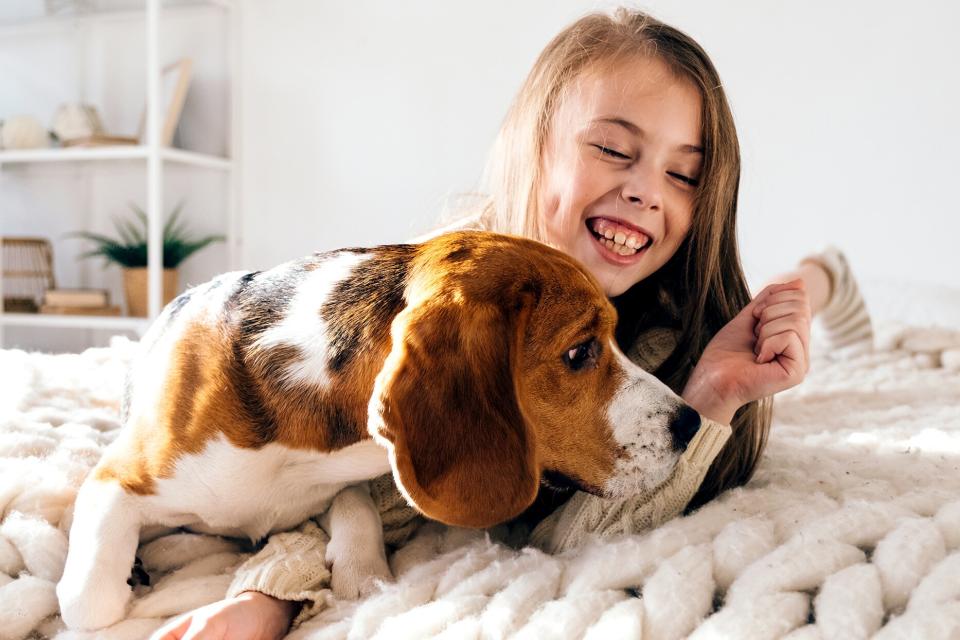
x=685, y=425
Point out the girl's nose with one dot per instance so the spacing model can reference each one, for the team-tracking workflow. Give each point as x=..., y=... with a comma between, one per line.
x=641, y=188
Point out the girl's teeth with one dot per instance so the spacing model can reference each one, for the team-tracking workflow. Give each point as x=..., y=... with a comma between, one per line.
x=617, y=240
x=619, y=249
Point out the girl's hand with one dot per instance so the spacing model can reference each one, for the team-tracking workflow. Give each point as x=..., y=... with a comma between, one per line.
x=763, y=350
x=248, y=616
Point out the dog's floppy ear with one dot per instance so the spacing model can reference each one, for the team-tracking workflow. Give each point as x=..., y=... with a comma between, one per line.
x=446, y=406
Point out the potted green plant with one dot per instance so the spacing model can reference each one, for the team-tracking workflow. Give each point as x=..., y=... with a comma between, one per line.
x=130, y=252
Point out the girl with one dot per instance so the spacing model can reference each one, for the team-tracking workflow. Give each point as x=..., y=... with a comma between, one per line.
x=620, y=149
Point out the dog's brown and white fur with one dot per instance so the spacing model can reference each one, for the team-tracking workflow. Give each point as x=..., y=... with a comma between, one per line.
x=472, y=366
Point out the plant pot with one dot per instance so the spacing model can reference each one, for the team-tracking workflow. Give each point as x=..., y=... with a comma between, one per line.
x=135, y=288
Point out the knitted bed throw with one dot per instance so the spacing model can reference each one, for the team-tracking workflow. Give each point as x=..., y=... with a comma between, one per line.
x=849, y=529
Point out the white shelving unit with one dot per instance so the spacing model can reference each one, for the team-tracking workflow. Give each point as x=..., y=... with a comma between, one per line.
x=126, y=152
x=138, y=325
x=151, y=155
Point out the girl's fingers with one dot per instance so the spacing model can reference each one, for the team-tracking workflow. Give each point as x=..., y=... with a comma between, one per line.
x=793, y=307
x=783, y=329
x=792, y=322
x=793, y=295
x=796, y=321
x=793, y=285
x=788, y=349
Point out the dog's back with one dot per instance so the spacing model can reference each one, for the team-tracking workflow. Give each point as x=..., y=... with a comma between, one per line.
x=260, y=380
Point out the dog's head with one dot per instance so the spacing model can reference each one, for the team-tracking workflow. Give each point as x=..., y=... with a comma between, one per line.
x=504, y=372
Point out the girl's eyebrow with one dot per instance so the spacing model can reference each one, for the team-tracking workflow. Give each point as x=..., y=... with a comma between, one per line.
x=637, y=131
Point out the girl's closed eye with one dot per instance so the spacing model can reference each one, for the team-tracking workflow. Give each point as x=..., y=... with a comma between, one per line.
x=609, y=151
x=693, y=182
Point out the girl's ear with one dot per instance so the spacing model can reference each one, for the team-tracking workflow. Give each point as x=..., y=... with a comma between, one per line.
x=445, y=405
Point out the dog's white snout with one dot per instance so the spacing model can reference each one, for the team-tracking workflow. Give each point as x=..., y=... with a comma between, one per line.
x=652, y=427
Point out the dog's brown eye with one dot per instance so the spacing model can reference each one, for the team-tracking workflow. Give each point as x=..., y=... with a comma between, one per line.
x=582, y=356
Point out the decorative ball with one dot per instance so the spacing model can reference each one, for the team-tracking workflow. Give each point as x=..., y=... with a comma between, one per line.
x=24, y=132
x=73, y=121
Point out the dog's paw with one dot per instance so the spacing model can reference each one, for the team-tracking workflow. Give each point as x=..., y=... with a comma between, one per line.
x=91, y=607
x=353, y=578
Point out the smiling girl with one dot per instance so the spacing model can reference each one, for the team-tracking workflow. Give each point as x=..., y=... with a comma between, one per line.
x=620, y=149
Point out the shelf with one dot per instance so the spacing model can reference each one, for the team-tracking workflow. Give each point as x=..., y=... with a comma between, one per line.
x=26, y=25
x=195, y=159
x=122, y=152
x=120, y=323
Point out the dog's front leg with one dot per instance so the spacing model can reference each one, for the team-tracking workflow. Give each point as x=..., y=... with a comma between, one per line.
x=93, y=591
x=355, y=552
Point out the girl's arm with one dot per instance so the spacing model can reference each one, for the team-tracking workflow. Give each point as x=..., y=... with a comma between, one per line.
x=291, y=567
x=288, y=580
x=283, y=584
x=248, y=616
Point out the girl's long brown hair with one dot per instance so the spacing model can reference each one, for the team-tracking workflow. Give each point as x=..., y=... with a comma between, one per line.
x=702, y=287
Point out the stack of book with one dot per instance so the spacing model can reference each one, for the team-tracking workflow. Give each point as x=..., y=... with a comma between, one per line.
x=84, y=302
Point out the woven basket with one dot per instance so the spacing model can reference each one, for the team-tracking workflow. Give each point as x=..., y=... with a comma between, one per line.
x=27, y=273
x=135, y=288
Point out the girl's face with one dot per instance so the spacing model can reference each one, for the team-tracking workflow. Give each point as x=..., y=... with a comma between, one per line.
x=620, y=169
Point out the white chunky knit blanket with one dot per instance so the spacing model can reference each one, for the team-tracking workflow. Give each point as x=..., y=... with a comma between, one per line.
x=850, y=528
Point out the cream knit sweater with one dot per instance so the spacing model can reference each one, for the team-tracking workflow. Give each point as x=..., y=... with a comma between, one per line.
x=291, y=565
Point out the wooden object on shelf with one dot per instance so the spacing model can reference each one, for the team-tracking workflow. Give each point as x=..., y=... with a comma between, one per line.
x=76, y=298
x=135, y=288
x=174, y=81
x=27, y=273
x=112, y=310
x=100, y=140
x=78, y=125
x=19, y=305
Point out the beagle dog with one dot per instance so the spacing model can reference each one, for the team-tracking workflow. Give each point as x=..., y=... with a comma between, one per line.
x=472, y=366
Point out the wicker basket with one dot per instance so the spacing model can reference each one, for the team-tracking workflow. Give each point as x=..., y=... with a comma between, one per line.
x=135, y=288
x=27, y=273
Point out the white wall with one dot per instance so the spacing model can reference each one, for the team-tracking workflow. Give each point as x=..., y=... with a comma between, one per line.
x=359, y=118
